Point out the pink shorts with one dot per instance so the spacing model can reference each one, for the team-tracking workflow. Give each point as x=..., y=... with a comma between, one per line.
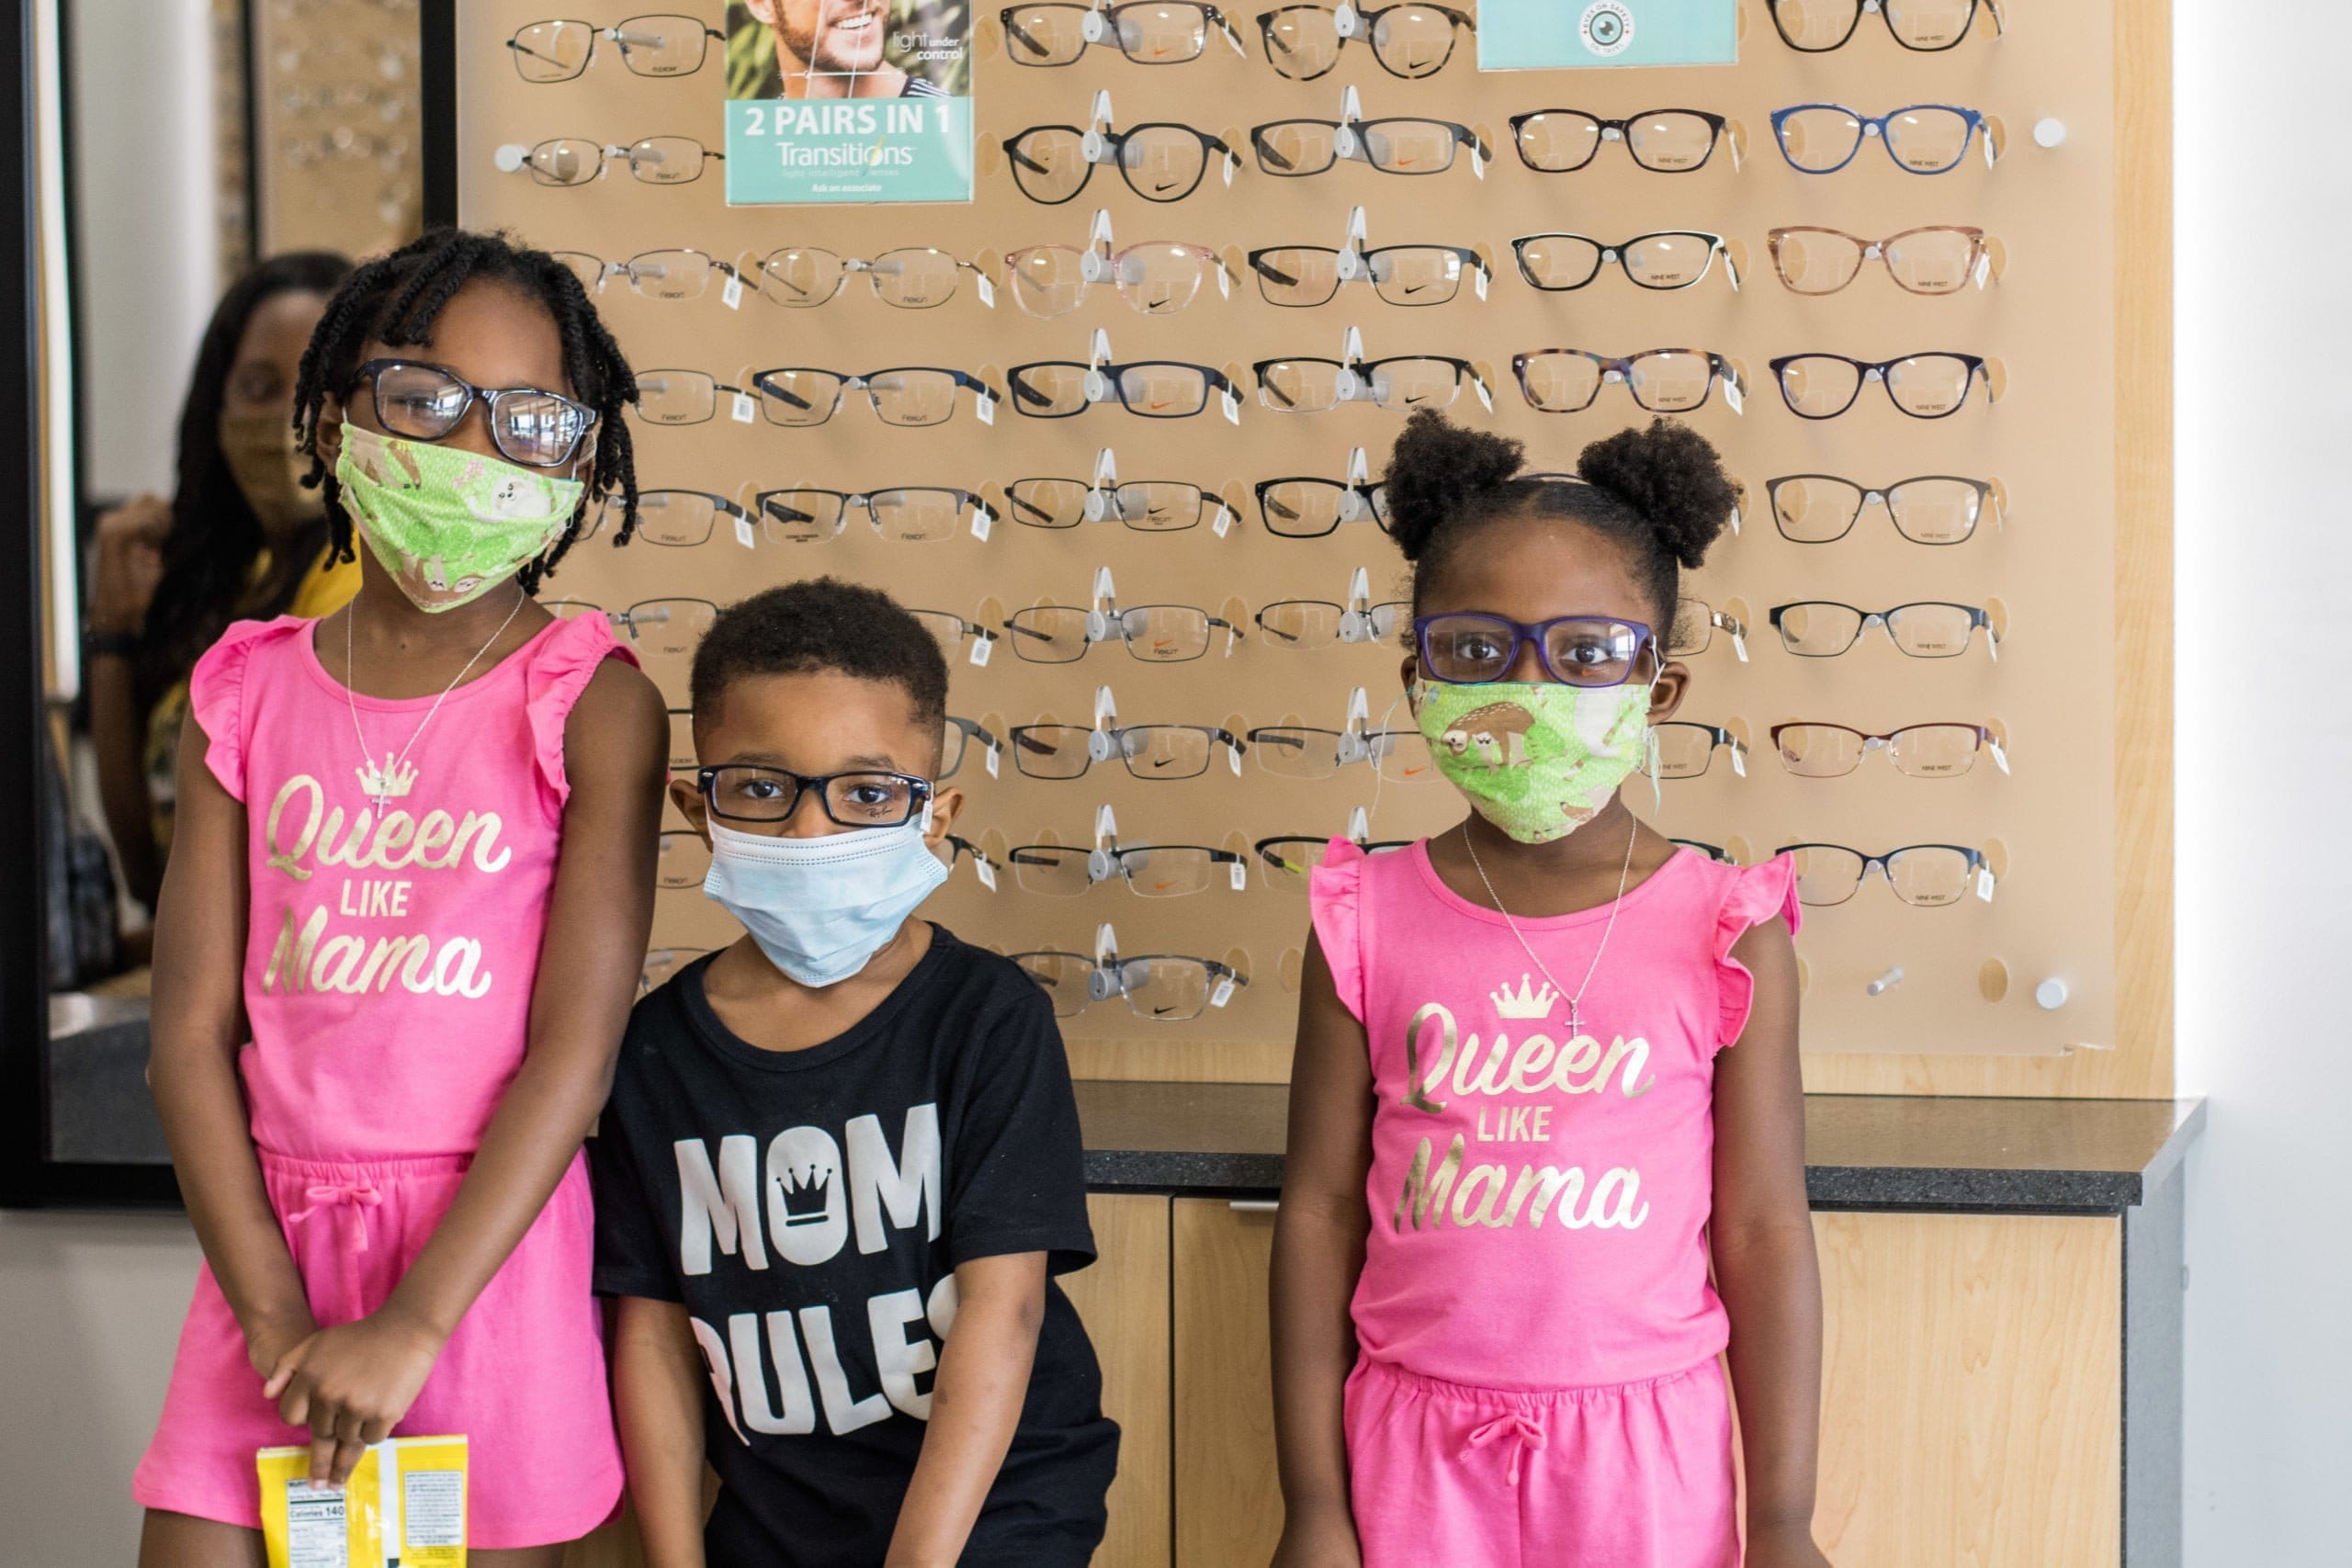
x=1632, y=1476
x=523, y=1377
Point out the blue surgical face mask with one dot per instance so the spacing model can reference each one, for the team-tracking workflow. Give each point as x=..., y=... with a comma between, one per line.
x=820, y=908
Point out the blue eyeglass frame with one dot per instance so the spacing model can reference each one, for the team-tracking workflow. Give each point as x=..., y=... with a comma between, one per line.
x=1522, y=634
x=1867, y=126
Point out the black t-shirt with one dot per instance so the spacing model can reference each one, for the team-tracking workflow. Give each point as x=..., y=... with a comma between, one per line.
x=809, y=1208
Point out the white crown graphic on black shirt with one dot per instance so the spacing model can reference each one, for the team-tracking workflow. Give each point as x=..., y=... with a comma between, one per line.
x=1528, y=1001
x=806, y=1199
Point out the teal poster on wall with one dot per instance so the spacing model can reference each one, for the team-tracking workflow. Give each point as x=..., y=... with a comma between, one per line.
x=837, y=101
x=1527, y=35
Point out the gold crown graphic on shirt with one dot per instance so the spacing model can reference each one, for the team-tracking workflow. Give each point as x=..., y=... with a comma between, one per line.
x=1528, y=1001
x=808, y=1200
x=388, y=780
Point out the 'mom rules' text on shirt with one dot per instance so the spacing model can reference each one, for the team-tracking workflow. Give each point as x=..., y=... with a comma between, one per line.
x=796, y=1204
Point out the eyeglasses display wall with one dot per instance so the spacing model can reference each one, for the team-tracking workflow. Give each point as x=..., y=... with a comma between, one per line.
x=336, y=146
x=1118, y=430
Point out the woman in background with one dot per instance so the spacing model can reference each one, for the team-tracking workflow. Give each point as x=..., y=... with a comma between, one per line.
x=240, y=538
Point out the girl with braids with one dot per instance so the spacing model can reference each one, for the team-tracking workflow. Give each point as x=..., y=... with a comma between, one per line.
x=401, y=931
x=239, y=537
x=1546, y=1135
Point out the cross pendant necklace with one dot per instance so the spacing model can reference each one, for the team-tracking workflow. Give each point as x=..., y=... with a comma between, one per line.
x=1575, y=1003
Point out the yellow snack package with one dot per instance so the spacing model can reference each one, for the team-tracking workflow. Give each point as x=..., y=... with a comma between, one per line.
x=404, y=1506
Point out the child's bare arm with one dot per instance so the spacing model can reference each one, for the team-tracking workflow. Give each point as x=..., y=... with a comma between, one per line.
x=975, y=1404
x=658, y=1379
x=350, y=1385
x=1319, y=1253
x=198, y=1028
x=1761, y=1234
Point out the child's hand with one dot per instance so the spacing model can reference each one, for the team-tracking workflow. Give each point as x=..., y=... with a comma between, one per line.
x=1784, y=1546
x=1321, y=1538
x=350, y=1385
x=267, y=1342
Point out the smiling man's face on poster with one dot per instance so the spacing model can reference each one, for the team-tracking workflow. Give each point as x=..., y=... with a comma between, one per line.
x=834, y=48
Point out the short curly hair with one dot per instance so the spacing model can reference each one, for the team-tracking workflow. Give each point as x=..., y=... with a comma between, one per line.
x=822, y=623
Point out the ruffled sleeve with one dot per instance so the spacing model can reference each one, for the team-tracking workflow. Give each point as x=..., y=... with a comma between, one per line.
x=1756, y=894
x=216, y=695
x=562, y=666
x=1334, y=898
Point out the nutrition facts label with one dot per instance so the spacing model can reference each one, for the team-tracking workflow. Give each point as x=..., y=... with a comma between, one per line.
x=316, y=1534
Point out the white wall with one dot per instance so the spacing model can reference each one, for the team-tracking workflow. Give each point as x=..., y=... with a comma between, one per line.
x=2264, y=410
x=145, y=214
x=92, y=1307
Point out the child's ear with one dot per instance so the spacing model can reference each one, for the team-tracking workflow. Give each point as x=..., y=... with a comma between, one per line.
x=1408, y=672
x=945, y=807
x=691, y=806
x=1668, y=691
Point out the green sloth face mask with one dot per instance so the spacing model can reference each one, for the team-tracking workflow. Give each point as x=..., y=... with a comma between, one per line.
x=446, y=524
x=1537, y=758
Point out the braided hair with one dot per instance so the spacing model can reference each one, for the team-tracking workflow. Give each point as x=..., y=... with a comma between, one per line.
x=1662, y=492
x=394, y=299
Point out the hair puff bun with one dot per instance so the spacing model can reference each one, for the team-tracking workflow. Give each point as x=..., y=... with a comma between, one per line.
x=1435, y=471
x=1670, y=477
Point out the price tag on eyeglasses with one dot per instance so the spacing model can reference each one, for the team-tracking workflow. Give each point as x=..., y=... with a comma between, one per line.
x=1984, y=268
x=983, y=520
x=732, y=295
x=1478, y=282
x=1240, y=870
x=993, y=760
x=1485, y=397
x=988, y=873
x=1734, y=399
x=980, y=647
x=1224, y=523
x=1984, y=883
x=1233, y=757
x=987, y=291
x=1231, y=405
x=745, y=409
x=984, y=405
x=1224, y=992
x=743, y=535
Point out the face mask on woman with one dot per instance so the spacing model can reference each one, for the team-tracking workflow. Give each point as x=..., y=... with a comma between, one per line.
x=447, y=525
x=262, y=458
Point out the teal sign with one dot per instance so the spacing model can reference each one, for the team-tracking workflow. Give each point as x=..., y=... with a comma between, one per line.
x=1530, y=34
x=831, y=103
x=844, y=150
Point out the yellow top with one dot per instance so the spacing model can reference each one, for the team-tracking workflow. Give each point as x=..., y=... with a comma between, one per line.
x=325, y=588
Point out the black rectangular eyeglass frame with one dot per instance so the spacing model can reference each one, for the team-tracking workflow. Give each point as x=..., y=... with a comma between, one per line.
x=1373, y=498
x=1114, y=387
x=1268, y=273
x=1715, y=124
x=1462, y=136
x=1959, y=36
x=706, y=781
x=1367, y=28
x=1864, y=369
x=491, y=397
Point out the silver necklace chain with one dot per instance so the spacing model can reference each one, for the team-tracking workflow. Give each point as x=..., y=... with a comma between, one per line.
x=395, y=763
x=1575, y=1003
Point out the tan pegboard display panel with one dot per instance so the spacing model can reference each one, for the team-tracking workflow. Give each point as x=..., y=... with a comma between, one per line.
x=2049, y=575
x=337, y=155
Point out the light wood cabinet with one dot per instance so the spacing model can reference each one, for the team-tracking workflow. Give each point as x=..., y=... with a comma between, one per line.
x=1123, y=1301
x=1972, y=1390
x=1228, y=1500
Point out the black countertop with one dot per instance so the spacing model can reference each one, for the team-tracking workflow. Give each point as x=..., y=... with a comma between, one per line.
x=1861, y=1151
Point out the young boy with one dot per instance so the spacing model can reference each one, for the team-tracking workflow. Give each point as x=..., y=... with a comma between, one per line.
x=841, y=1164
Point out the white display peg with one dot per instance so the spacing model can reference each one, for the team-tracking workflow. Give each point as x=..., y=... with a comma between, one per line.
x=2049, y=131
x=510, y=158
x=1884, y=982
x=2051, y=995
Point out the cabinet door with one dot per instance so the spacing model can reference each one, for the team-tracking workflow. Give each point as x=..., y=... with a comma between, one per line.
x=1972, y=1391
x=1123, y=1300
x=1228, y=1501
